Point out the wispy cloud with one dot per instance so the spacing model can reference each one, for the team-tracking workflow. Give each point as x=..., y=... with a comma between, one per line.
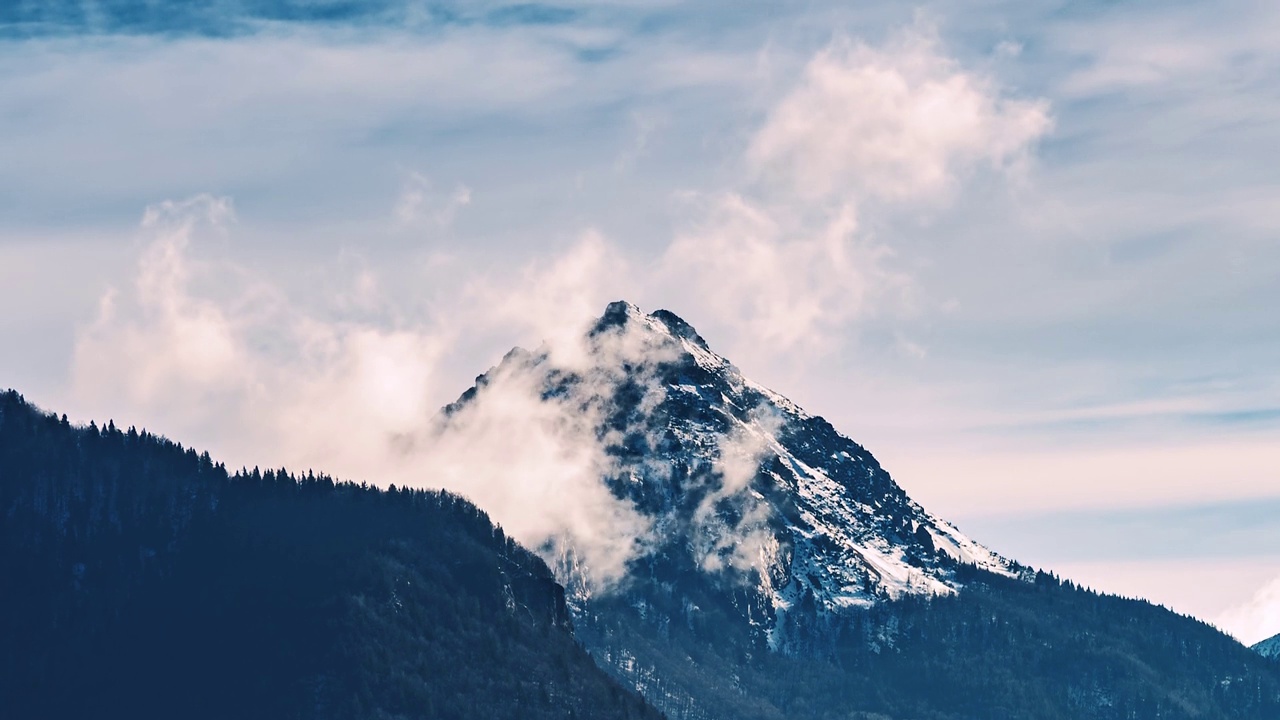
x=419, y=202
x=862, y=126
x=244, y=368
x=892, y=123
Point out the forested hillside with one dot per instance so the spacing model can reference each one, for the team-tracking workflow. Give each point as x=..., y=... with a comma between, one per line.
x=142, y=580
x=1002, y=648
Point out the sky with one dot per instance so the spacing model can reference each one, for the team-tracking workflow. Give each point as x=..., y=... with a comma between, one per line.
x=1027, y=254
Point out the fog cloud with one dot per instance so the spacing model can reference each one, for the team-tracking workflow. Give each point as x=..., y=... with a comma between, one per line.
x=741, y=539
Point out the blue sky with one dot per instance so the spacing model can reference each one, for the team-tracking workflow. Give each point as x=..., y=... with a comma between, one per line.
x=1027, y=255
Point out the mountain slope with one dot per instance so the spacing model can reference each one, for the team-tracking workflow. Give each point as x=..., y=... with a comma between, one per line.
x=1269, y=648
x=744, y=486
x=785, y=574
x=141, y=580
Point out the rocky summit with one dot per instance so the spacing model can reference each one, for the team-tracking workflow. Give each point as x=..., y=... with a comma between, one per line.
x=741, y=485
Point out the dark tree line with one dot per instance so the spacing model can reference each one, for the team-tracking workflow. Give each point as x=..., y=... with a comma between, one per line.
x=140, y=579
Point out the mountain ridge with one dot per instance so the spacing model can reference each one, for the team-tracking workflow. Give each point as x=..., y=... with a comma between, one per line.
x=1269, y=648
x=706, y=449
x=785, y=574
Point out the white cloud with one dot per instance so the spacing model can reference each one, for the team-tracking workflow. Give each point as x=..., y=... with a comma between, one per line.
x=1256, y=619
x=1008, y=49
x=784, y=262
x=895, y=123
x=747, y=542
x=1217, y=50
x=158, y=338
x=779, y=285
x=216, y=355
x=537, y=466
x=553, y=299
x=644, y=126
x=419, y=201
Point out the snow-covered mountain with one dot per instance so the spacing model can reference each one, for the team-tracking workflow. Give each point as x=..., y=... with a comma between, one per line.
x=1269, y=647
x=739, y=486
x=732, y=557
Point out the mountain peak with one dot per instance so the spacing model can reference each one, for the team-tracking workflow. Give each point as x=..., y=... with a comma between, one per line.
x=736, y=484
x=678, y=327
x=620, y=313
x=617, y=314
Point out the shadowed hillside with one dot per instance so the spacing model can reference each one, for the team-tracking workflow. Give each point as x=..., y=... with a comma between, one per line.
x=142, y=580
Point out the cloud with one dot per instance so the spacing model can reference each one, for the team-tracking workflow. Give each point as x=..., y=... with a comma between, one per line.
x=644, y=125
x=778, y=286
x=159, y=337
x=537, y=465
x=742, y=539
x=532, y=443
x=1219, y=50
x=895, y=123
x=222, y=357
x=783, y=261
x=1256, y=619
x=419, y=202
x=553, y=299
